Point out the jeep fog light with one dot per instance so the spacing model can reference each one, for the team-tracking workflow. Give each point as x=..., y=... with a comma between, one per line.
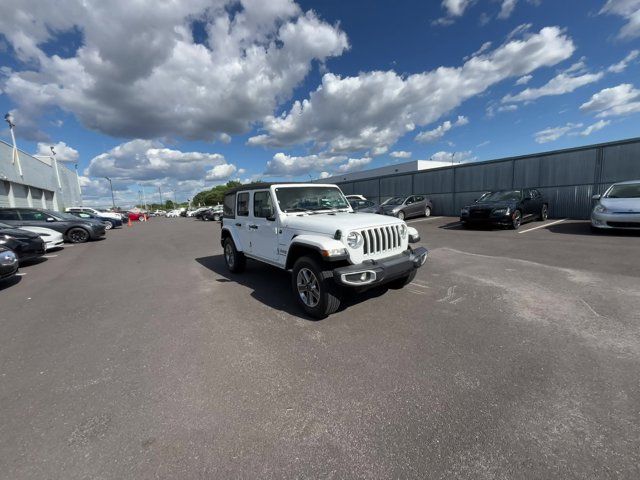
x=354, y=240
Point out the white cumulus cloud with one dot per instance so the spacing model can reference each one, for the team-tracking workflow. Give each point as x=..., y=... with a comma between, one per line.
x=441, y=130
x=552, y=134
x=161, y=81
x=623, y=99
x=599, y=125
x=400, y=154
x=64, y=153
x=630, y=11
x=374, y=109
x=622, y=65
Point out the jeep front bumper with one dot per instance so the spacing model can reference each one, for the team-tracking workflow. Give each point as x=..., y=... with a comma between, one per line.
x=376, y=272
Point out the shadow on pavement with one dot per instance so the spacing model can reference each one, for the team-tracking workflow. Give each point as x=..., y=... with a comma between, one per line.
x=33, y=261
x=272, y=286
x=10, y=282
x=584, y=228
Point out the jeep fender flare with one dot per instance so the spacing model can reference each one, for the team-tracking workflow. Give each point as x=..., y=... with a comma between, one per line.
x=228, y=232
x=315, y=243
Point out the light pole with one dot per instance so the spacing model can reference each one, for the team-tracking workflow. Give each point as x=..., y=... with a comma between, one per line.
x=160, y=192
x=55, y=166
x=78, y=180
x=175, y=200
x=15, y=160
x=113, y=200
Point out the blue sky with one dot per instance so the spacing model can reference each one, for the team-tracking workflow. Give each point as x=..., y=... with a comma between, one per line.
x=192, y=95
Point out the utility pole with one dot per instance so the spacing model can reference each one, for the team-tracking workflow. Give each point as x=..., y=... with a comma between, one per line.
x=175, y=199
x=113, y=200
x=78, y=180
x=160, y=192
x=15, y=158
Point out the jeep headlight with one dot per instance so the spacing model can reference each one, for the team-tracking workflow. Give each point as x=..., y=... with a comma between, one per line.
x=354, y=240
x=599, y=209
x=403, y=230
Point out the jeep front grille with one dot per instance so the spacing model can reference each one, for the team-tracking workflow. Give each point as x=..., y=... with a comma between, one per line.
x=381, y=239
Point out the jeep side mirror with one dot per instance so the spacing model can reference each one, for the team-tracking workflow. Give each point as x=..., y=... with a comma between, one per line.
x=271, y=214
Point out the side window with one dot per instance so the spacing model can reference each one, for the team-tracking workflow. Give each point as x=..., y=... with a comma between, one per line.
x=33, y=215
x=410, y=200
x=243, y=204
x=419, y=198
x=262, y=204
x=8, y=215
x=229, y=206
x=535, y=194
x=368, y=203
x=526, y=193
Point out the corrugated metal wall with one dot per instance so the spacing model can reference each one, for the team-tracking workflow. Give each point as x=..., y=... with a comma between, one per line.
x=568, y=178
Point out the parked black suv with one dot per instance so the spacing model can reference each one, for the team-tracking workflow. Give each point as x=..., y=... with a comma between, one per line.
x=507, y=208
x=74, y=229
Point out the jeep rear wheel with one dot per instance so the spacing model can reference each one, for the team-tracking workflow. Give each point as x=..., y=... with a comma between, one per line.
x=235, y=260
x=314, y=289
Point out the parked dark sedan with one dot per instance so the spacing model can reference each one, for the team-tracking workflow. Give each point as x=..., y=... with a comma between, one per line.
x=364, y=206
x=26, y=245
x=108, y=223
x=8, y=263
x=212, y=215
x=74, y=229
x=407, y=207
x=508, y=208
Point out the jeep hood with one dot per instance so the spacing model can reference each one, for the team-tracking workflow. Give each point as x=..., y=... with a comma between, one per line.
x=327, y=223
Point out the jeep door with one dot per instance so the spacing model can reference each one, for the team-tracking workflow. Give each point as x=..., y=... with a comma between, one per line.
x=242, y=220
x=263, y=227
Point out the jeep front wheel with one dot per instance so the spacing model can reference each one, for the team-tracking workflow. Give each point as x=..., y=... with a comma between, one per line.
x=314, y=289
x=234, y=259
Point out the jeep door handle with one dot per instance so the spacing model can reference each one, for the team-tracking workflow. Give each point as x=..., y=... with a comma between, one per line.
x=253, y=227
x=238, y=224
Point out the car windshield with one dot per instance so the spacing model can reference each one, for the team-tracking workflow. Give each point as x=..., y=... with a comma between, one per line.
x=628, y=190
x=501, y=196
x=301, y=199
x=61, y=215
x=393, y=201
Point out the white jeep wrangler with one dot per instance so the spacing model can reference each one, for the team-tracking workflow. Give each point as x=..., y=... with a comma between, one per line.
x=311, y=230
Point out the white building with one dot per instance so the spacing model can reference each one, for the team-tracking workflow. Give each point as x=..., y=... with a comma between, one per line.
x=28, y=181
x=405, y=167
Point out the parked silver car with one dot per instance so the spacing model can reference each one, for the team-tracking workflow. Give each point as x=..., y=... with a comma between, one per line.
x=407, y=207
x=618, y=207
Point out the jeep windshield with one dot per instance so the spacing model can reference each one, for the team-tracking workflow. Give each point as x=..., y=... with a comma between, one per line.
x=310, y=199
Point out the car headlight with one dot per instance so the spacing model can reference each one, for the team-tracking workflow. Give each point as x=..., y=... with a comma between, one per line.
x=464, y=210
x=403, y=230
x=599, y=209
x=8, y=258
x=354, y=240
x=501, y=211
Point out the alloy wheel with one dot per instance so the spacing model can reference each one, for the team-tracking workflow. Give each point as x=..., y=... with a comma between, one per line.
x=308, y=287
x=228, y=255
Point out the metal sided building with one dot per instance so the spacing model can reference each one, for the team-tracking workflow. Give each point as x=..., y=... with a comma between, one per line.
x=568, y=178
x=38, y=182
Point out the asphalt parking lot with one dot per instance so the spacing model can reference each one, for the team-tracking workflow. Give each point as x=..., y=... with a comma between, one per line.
x=514, y=354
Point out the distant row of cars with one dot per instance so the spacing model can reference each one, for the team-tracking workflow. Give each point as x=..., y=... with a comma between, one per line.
x=28, y=233
x=617, y=208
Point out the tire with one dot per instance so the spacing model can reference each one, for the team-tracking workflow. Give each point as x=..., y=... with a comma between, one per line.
x=402, y=282
x=427, y=212
x=516, y=220
x=308, y=277
x=401, y=215
x=108, y=225
x=235, y=260
x=78, y=235
x=544, y=213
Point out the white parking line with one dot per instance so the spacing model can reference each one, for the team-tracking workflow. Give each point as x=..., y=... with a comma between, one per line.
x=20, y=274
x=49, y=256
x=542, y=226
x=422, y=220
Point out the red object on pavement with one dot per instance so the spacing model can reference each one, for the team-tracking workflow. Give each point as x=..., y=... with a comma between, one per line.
x=135, y=216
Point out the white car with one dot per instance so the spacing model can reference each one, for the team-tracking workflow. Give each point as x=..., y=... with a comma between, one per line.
x=173, y=214
x=52, y=239
x=310, y=230
x=618, y=207
x=97, y=212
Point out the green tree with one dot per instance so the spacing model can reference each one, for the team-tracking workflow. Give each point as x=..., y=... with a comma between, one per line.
x=214, y=195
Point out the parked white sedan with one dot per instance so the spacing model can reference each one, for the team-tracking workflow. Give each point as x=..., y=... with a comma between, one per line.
x=618, y=207
x=52, y=239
